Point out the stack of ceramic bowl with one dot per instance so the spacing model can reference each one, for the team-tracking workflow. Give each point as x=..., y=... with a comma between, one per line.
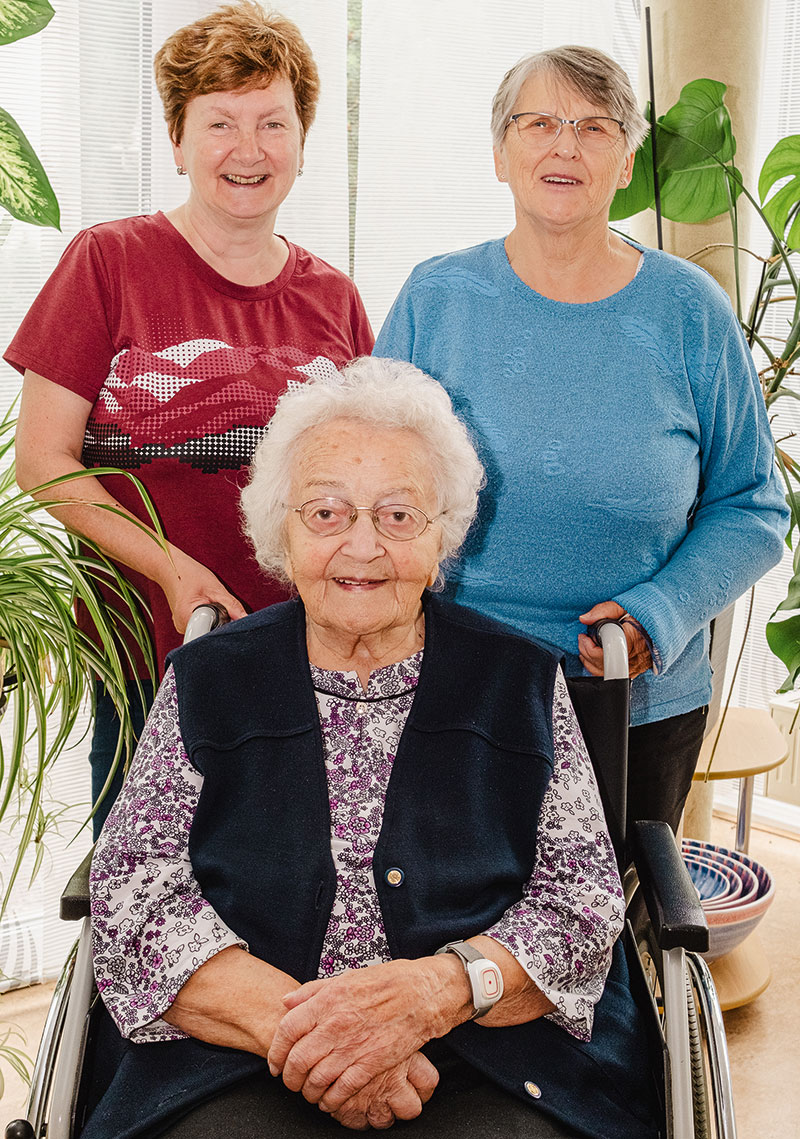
x=735, y=892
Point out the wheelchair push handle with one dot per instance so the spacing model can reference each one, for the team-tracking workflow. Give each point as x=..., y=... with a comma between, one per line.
x=203, y=619
x=611, y=636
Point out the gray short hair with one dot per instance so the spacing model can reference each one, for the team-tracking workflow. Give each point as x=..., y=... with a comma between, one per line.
x=586, y=70
x=383, y=393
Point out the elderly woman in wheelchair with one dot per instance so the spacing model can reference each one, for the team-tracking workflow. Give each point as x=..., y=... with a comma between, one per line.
x=360, y=871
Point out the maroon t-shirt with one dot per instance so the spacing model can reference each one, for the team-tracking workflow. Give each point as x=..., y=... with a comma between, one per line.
x=183, y=369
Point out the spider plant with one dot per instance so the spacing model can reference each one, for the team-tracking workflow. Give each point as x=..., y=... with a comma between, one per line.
x=695, y=148
x=48, y=664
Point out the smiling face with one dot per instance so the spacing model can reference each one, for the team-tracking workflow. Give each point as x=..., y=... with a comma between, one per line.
x=242, y=150
x=560, y=185
x=359, y=583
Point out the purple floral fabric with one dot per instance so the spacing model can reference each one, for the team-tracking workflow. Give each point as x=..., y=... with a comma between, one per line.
x=572, y=909
x=360, y=734
x=152, y=929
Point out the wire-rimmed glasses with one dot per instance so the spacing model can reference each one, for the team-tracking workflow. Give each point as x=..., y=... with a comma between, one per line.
x=395, y=520
x=594, y=132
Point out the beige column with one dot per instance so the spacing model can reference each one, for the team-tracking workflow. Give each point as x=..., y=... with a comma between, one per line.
x=706, y=39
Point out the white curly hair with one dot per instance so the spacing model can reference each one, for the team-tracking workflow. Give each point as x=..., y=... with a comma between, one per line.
x=385, y=394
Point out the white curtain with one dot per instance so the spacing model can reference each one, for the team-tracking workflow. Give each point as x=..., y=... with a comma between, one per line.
x=429, y=71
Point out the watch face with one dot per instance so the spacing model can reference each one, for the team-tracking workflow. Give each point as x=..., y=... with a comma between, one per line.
x=490, y=983
x=487, y=984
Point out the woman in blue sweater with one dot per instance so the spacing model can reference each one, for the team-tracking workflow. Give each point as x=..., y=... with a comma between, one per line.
x=617, y=410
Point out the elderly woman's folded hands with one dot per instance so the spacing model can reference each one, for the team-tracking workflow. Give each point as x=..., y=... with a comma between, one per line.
x=351, y=1043
x=340, y=1033
x=398, y=1093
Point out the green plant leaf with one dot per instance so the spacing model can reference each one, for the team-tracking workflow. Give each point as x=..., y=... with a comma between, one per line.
x=697, y=126
x=792, y=599
x=783, y=161
x=698, y=194
x=25, y=189
x=640, y=193
x=694, y=142
x=21, y=18
x=783, y=638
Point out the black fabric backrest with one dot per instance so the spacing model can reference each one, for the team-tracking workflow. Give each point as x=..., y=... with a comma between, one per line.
x=603, y=711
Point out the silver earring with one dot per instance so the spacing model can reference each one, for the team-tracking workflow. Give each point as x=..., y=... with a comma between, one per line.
x=181, y=169
x=300, y=172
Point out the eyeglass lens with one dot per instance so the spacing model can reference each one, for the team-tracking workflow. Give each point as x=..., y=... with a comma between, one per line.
x=594, y=133
x=327, y=516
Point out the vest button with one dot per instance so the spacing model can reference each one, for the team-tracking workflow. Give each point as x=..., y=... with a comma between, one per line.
x=533, y=1089
x=394, y=876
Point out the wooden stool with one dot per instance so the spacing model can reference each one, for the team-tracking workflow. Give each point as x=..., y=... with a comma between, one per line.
x=750, y=743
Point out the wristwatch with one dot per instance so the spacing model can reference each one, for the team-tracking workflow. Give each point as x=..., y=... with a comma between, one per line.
x=485, y=978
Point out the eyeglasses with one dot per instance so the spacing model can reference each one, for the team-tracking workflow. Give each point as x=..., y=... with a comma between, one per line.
x=395, y=520
x=593, y=132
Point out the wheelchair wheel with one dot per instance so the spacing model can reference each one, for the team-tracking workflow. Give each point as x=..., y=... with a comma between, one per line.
x=708, y=1072
x=699, y=1068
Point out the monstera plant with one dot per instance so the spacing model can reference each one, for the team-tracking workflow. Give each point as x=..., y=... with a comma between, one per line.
x=695, y=149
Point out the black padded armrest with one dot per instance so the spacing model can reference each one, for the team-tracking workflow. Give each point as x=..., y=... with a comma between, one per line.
x=75, y=898
x=671, y=899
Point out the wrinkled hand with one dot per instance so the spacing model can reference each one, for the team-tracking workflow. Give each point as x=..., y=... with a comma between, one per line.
x=591, y=654
x=396, y=1094
x=187, y=584
x=339, y=1034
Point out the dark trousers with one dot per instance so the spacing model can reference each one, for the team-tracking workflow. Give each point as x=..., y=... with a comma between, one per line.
x=662, y=757
x=464, y=1103
x=104, y=744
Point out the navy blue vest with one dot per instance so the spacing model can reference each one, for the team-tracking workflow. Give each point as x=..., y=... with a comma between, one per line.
x=462, y=804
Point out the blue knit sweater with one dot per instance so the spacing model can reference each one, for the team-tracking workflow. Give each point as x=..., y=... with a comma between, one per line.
x=627, y=450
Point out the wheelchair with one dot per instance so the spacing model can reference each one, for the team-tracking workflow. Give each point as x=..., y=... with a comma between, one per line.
x=665, y=934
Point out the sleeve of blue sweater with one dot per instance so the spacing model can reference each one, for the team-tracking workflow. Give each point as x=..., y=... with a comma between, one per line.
x=741, y=520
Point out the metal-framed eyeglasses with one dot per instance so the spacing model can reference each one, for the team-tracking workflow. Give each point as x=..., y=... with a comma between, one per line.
x=395, y=520
x=594, y=132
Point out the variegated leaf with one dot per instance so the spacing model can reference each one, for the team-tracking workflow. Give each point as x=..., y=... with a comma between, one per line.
x=25, y=190
x=21, y=18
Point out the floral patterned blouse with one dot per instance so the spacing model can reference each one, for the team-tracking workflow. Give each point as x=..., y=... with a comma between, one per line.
x=152, y=929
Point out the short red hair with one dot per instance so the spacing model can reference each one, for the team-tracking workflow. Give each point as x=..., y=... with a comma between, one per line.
x=238, y=47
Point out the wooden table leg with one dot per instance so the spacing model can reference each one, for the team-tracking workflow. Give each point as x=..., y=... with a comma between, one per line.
x=744, y=813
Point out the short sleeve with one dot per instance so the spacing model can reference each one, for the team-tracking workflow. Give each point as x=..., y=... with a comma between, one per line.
x=66, y=334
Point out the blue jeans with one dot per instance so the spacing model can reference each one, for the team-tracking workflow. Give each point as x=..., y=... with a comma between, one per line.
x=104, y=743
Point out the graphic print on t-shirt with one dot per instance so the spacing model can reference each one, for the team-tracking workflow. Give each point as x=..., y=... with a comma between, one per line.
x=202, y=402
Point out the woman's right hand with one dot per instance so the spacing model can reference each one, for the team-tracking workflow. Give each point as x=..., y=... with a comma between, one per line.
x=187, y=583
x=397, y=1094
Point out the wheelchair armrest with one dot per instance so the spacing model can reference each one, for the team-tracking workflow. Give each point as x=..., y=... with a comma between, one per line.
x=669, y=894
x=75, y=898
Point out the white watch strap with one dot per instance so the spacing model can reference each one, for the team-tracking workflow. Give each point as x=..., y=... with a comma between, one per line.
x=485, y=977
